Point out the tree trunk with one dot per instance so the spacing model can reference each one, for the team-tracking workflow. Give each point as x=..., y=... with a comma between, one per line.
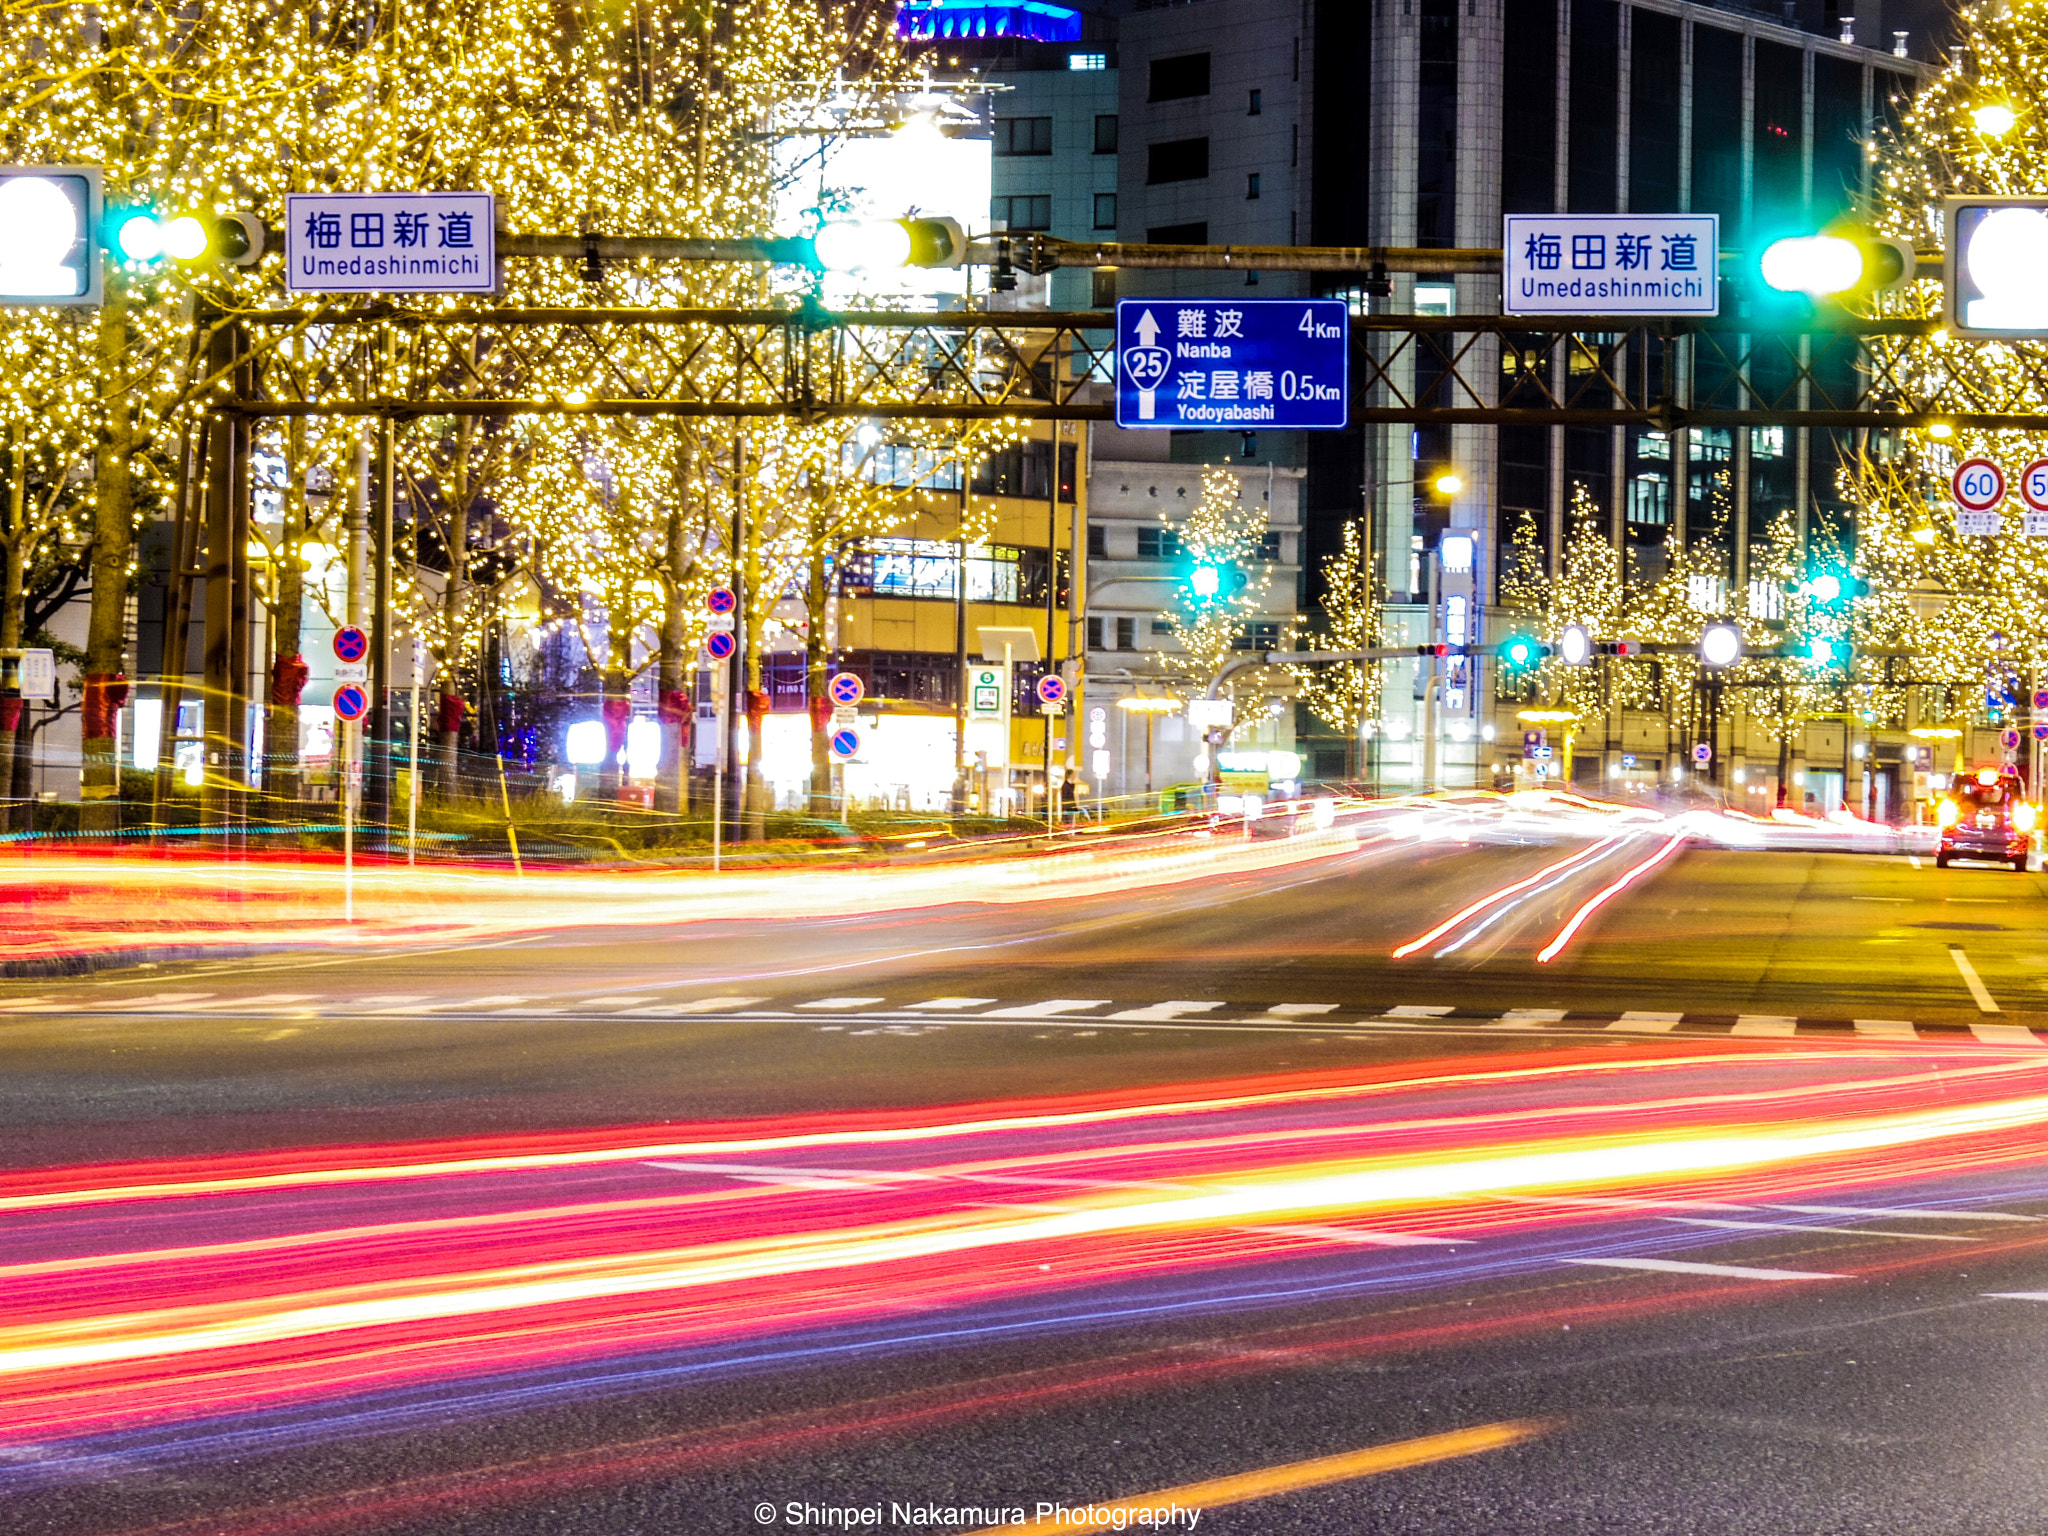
x=107, y=624
x=817, y=659
x=757, y=793
x=13, y=603
x=281, y=730
x=676, y=678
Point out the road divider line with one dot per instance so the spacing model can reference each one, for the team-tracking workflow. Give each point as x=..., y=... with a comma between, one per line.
x=1290, y=1477
x=1982, y=993
x=1795, y=1226
x=1647, y=1023
x=701, y=1005
x=1053, y=1005
x=951, y=1004
x=1887, y=1029
x=2004, y=1034
x=1903, y=1213
x=1527, y=1018
x=1167, y=1010
x=1720, y=1271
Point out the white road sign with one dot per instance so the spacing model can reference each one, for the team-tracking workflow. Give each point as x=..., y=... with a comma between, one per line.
x=1611, y=264
x=39, y=675
x=391, y=242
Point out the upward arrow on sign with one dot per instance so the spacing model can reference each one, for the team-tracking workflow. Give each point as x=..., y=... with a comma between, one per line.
x=1148, y=329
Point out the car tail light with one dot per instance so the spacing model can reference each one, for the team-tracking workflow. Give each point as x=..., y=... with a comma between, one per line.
x=1945, y=813
x=2023, y=817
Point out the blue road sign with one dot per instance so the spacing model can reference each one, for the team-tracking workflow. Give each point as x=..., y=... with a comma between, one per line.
x=350, y=643
x=845, y=743
x=719, y=644
x=351, y=703
x=1232, y=364
x=846, y=689
x=721, y=600
x=1052, y=688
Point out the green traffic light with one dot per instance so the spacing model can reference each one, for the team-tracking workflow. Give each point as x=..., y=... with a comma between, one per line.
x=1519, y=652
x=1205, y=581
x=1827, y=586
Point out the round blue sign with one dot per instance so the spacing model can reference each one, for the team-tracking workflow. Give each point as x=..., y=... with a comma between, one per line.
x=720, y=645
x=351, y=702
x=846, y=689
x=350, y=643
x=1051, y=688
x=845, y=743
x=720, y=600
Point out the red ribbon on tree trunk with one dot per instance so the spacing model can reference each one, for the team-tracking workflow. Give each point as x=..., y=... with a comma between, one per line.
x=287, y=681
x=677, y=706
x=617, y=712
x=449, y=712
x=105, y=693
x=10, y=713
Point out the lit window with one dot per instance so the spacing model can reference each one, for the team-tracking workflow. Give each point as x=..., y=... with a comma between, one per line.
x=1087, y=61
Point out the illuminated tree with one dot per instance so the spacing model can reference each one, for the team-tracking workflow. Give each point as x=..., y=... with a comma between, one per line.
x=1344, y=695
x=1224, y=585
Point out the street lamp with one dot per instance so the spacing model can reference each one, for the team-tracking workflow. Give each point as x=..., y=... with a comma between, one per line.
x=1721, y=644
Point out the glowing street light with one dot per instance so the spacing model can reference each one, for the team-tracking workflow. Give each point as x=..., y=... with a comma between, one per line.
x=1720, y=644
x=1994, y=120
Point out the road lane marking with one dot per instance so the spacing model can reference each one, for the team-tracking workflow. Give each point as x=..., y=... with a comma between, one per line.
x=1887, y=1029
x=947, y=1004
x=1290, y=1477
x=1295, y=1010
x=1369, y=1239
x=1526, y=1018
x=2004, y=1034
x=1725, y=1271
x=609, y=1002
x=1169, y=1010
x=1972, y=980
x=1913, y=859
x=843, y=1004
x=384, y=998
x=1795, y=1226
x=152, y=1002
x=1772, y=1025
x=1048, y=1007
x=700, y=1005
x=1647, y=1023
x=1419, y=1011
x=1907, y=1213
x=28, y=1004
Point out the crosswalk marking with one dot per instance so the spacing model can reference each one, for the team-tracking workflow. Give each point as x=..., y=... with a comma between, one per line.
x=2004, y=1034
x=1887, y=1029
x=494, y=1000
x=1297, y=1010
x=609, y=1002
x=28, y=1004
x=843, y=1004
x=1172, y=1010
x=1770, y=1025
x=154, y=1002
x=950, y=1004
x=1417, y=1011
x=1526, y=1018
x=1051, y=1006
x=1647, y=1023
x=1723, y=1271
x=385, y=999
x=700, y=1005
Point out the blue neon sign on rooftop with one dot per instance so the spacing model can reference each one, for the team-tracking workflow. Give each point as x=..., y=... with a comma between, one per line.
x=1035, y=20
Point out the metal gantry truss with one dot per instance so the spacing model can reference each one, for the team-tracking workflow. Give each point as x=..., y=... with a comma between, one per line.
x=815, y=364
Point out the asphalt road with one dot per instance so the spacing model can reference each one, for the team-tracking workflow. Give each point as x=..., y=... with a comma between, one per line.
x=1667, y=1346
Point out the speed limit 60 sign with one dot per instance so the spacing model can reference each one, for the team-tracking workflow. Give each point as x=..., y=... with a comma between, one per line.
x=1978, y=486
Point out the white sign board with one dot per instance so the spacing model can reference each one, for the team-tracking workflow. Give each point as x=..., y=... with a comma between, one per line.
x=1203, y=713
x=1977, y=525
x=391, y=242
x=988, y=692
x=1611, y=264
x=39, y=676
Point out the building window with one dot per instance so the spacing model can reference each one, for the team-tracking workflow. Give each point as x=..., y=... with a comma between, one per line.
x=1127, y=634
x=1258, y=635
x=1023, y=136
x=1087, y=61
x=1098, y=542
x=1269, y=545
x=1025, y=469
x=1179, y=234
x=1179, y=78
x=1164, y=625
x=1105, y=210
x=1032, y=212
x=1102, y=287
x=1177, y=160
x=1105, y=133
x=1095, y=634
x=1258, y=104
x=1158, y=543
x=1251, y=187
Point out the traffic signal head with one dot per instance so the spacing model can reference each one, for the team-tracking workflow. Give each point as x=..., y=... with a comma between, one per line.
x=50, y=218
x=1838, y=263
x=231, y=239
x=1825, y=651
x=1575, y=646
x=1720, y=644
x=1996, y=281
x=1519, y=652
x=1831, y=587
x=876, y=245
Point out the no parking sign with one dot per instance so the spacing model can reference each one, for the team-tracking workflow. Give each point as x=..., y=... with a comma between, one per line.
x=845, y=743
x=351, y=703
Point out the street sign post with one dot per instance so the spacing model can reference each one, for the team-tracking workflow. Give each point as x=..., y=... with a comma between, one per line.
x=1052, y=690
x=846, y=744
x=391, y=242
x=720, y=600
x=53, y=215
x=1702, y=754
x=350, y=643
x=351, y=702
x=846, y=690
x=1243, y=364
x=1611, y=264
x=2034, y=492
x=719, y=645
x=985, y=692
